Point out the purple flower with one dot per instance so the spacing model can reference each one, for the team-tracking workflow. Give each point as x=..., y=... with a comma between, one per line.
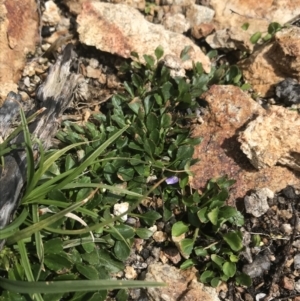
x=172, y=180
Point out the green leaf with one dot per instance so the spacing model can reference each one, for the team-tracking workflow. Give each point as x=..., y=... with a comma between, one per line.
x=246, y=87
x=229, y=268
x=150, y=217
x=159, y=52
x=238, y=219
x=207, y=276
x=154, y=136
x=148, y=104
x=243, y=279
x=245, y=26
x=149, y=60
x=143, y=233
x=186, y=246
x=179, y=228
x=87, y=271
x=125, y=173
x=58, y=262
x=165, y=89
x=187, y=264
x=234, y=240
x=134, y=54
x=184, y=55
x=135, y=105
x=267, y=37
x=166, y=120
x=89, y=247
x=226, y=212
x=185, y=152
x=99, y=296
x=200, y=251
x=91, y=257
x=215, y=282
x=122, y=295
x=234, y=74
x=110, y=263
x=69, y=162
x=183, y=86
x=213, y=216
x=255, y=37
x=137, y=80
x=211, y=54
x=202, y=215
x=233, y=258
x=53, y=246
x=274, y=27
x=121, y=250
x=151, y=122
x=149, y=147
x=121, y=142
x=217, y=259
x=129, y=89
x=122, y=231
x=256, y=240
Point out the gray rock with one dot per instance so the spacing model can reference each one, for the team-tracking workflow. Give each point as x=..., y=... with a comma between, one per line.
x=257, y=203
x=255, y=269
x=288, y=91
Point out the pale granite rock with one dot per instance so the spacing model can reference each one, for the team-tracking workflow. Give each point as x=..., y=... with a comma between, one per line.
x=120, y=29
x=273, y=138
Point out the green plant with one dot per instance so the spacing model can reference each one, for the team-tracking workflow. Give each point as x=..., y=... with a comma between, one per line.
x=257, y=36
x=149, y=8
x=64, y=229
x=40, y=247
x=208, y=235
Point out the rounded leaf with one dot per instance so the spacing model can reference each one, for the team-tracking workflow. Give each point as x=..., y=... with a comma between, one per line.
x=179, y=228
x=255, y=37
x=234, y=240
x=229, y=268
x=151, y=122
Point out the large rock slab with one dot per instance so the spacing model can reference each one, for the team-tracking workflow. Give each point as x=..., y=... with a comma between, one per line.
x=274, y=62
x=120, y=29
x=229, y=112
x=259, y=14
x=273, y=138
x=18, y=37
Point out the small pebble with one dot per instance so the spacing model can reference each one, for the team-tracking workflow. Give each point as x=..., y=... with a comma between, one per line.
x=94, y=63
x=160, y=236
x=130, y=272
x=297, y=261
x=288, y=283
x=27, y=81
x=297, y=286
x=120, y=209
x=286, y=229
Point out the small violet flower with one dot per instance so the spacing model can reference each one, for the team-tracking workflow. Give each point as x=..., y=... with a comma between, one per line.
x=172, y=180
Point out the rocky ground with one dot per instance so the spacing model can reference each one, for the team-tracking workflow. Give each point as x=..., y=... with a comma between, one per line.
x=252, y=136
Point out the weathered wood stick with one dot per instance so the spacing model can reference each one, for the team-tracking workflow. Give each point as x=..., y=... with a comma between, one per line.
x=55, y=95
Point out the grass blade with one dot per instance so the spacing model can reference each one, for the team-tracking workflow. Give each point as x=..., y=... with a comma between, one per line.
x=50, y=287
x=90, y=160
x=28, y=147
x=27, y=268
x=14, y=226
x=26, y=232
